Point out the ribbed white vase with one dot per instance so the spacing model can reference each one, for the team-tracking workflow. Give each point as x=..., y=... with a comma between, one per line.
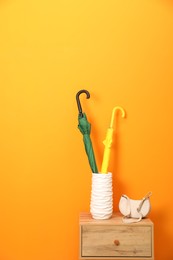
x=101, y=204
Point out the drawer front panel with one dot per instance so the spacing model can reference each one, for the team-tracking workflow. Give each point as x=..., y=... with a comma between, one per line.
x=120, y=241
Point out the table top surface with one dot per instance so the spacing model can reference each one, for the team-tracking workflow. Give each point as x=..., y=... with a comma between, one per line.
x=85, y=218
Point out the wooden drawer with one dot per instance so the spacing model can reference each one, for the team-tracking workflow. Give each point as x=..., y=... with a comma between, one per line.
x=112, y=239
x=100, y=240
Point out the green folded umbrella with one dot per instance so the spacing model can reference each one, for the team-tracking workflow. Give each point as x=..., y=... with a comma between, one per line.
x=85, y=128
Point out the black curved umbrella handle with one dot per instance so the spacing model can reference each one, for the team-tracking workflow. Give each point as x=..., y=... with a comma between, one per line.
x=78, y=100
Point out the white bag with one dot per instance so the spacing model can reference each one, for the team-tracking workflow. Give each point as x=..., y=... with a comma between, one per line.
x=134, y=210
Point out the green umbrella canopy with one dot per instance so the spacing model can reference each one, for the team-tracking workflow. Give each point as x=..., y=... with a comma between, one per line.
x=85, y=128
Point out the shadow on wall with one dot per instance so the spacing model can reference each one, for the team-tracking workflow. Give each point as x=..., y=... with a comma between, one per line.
x=4, y=2
x=168, y=2
x=162, y=239
x=118, y=187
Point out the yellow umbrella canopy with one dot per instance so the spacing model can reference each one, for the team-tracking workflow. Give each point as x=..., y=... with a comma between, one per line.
x=108, y=141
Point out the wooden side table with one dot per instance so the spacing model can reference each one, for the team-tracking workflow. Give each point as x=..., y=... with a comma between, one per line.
x=113, y=239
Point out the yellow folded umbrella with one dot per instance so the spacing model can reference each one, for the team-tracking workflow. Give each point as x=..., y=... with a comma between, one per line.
x=108, y=141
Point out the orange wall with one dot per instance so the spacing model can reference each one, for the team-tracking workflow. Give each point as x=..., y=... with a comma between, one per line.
x=122, y=53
